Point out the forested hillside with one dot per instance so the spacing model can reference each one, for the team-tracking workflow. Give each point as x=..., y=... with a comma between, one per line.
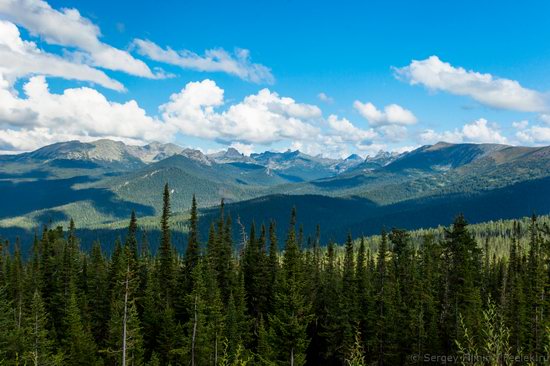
x=99, y=184
x=264, y=299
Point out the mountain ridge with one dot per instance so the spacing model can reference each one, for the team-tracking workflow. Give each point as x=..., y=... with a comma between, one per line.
x=100, y=182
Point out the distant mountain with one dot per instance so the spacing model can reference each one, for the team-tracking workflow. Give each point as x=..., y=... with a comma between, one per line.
x=348, y=163
x=231, y=155
x=101, y=152
x=101, y=182
x=381, y=159
x=297, y=166
x=444, y=156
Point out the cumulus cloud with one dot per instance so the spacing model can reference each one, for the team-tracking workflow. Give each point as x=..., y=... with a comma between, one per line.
x=479, y=131
x=19, y=58
x=520, y=125
x=393, y=133
x=430, y=136
x=66, y=27
x=215, y=60
x=392, y=114
x=325, y=98
x=487, y=89
x=347, y=131
x=537, y=134
x=262, y=118
x=482, y=131
x=83, y=113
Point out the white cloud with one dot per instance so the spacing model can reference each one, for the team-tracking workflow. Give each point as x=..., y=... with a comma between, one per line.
x=520, y=125
x=215, y=60
x=538, y=135
x=259, y=121
x=430, y=136
x=325, y=98
x=78, y=113
x=262, y=118
x=394, y=133
x=392, y=114
x=482, y=131
x=19, y=58
x=492, y=91
x=479, y=131
x=66, y=27
x=545, y=118
x=347, y=131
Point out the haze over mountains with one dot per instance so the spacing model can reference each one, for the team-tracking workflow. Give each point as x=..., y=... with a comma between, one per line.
x=99, y=183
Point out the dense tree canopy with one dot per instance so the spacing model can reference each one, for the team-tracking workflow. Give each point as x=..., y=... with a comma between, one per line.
x=261, y=302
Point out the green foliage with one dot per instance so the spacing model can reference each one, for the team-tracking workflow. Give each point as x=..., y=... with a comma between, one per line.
x=479, y=290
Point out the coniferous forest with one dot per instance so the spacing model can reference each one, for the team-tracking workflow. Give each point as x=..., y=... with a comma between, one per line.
x=267, y=300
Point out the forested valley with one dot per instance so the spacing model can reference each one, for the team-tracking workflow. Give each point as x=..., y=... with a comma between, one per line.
x=266, y=300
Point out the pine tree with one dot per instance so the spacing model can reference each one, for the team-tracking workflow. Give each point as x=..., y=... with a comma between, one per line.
x=365, y=300
x=131, y=241
x=78, y=342
x=39, y=343
x=332, y=317
x=124, y=326
x=192, y=254
x=205, y=327
x=463, y=263
x=166, y=260
x=290, y=319
x=536, y=279
x=349, y=296
x=193, y=250
x=430, y=283
x=384, y=341
x=97, y=290
x=515, y=302
x=273, y=264
x=10, y=337
x=238, y=324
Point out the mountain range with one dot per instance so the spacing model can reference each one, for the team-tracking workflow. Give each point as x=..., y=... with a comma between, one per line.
x=99, y=183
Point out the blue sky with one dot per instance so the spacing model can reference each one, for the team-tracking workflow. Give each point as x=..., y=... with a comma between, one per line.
x=480, y=73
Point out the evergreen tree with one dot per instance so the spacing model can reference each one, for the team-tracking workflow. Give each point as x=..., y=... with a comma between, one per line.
x=78, y=342
x=97, y=290
x=536, y=291
x=349, y=296
x=166, y=259
x=290, y=319
x=131, y=241
x=126, y=343
x=193, y=250
x=384, y=340
x=463, y=279
x=39, y=343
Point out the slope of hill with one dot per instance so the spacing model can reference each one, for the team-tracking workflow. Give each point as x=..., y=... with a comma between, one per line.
x=101, y=182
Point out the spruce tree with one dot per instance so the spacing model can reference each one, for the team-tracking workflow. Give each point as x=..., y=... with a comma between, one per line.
x=384, y=340
x=131, y=241
x=193, y=250
x=290, y=319
x=166, y=259
x=463, y=262
x=39, y=343
x=79, y=345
